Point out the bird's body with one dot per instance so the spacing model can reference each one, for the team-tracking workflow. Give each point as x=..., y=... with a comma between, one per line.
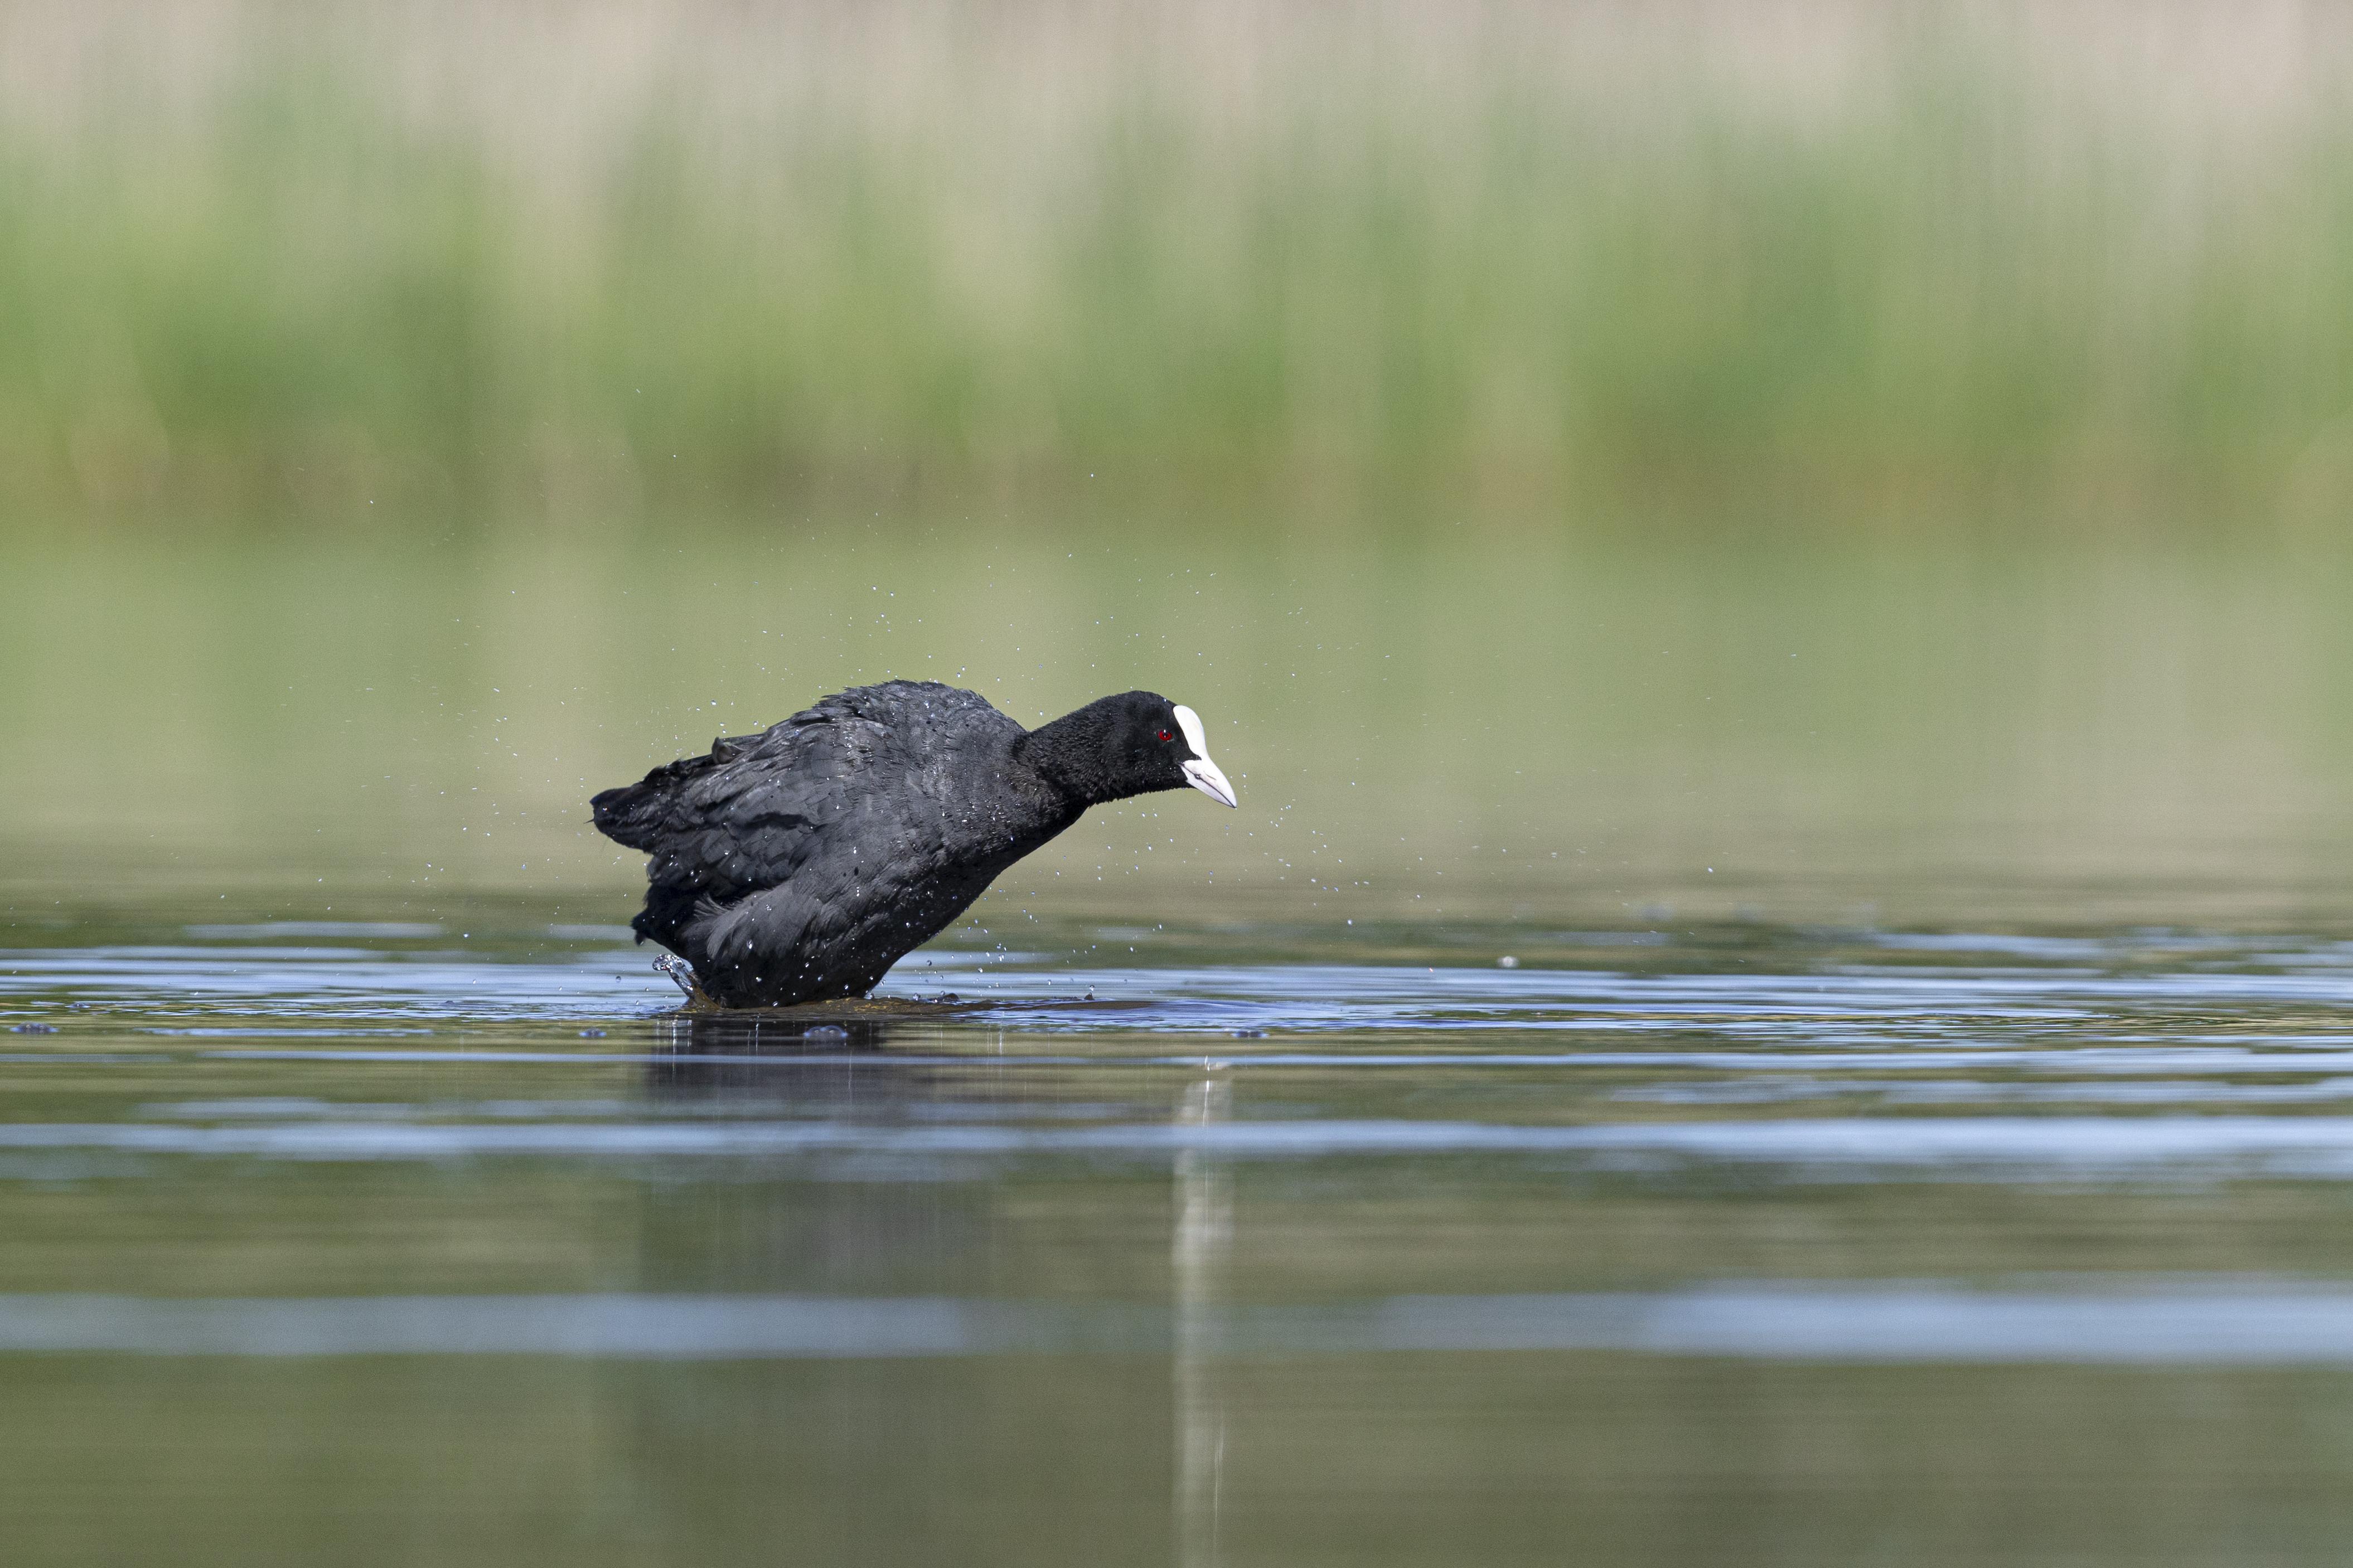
x=801, y=863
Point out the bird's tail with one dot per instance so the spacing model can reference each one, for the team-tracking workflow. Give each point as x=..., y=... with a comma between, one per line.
x=633, y=813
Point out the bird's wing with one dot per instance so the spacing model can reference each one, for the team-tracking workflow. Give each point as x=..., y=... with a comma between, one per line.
x=758, y=809
x=746, y=814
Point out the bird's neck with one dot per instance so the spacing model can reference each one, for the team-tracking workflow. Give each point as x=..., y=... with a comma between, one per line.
x=1068, y=754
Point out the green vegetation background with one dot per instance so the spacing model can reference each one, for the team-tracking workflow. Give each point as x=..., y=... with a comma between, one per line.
x=1856, y=264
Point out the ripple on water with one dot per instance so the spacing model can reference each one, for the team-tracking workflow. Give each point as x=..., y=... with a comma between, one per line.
x=2156, y=1323
x=1924, y=1000
x=2079, y=1030
x=1971, y=1148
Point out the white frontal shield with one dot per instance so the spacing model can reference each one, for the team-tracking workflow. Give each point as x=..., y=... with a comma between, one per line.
x=1199, y=772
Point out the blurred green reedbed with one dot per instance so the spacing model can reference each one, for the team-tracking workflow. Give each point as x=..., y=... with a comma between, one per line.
x=1501, y=723
x=1885, y=264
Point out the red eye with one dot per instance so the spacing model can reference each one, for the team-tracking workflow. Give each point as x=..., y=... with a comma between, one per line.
x=1165, y=735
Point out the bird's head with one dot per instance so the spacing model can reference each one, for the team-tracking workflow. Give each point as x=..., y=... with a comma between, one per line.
x=1133, y=743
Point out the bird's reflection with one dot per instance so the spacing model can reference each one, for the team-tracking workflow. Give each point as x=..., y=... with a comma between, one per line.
x=817, y=1059
x=886, y=1224
x=859, y=1226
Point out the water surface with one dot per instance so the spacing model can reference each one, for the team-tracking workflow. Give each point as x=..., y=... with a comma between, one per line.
x=1198, y=1243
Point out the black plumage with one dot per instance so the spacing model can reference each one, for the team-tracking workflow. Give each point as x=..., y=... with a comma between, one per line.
x=801, y=863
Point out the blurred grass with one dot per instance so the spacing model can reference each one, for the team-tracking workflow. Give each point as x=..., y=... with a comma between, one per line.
x=417, y=264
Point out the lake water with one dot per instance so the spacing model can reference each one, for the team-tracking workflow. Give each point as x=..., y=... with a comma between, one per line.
x=383, y=1240
x=1906, y=1118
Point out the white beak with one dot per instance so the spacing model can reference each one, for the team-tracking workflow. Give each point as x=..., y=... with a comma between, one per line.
x=1204, y=776
x=1200, y=773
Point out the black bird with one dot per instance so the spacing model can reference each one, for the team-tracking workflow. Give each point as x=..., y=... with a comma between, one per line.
x=801, y=863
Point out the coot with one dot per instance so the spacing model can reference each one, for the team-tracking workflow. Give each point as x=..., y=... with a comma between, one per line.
x=801, y=863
